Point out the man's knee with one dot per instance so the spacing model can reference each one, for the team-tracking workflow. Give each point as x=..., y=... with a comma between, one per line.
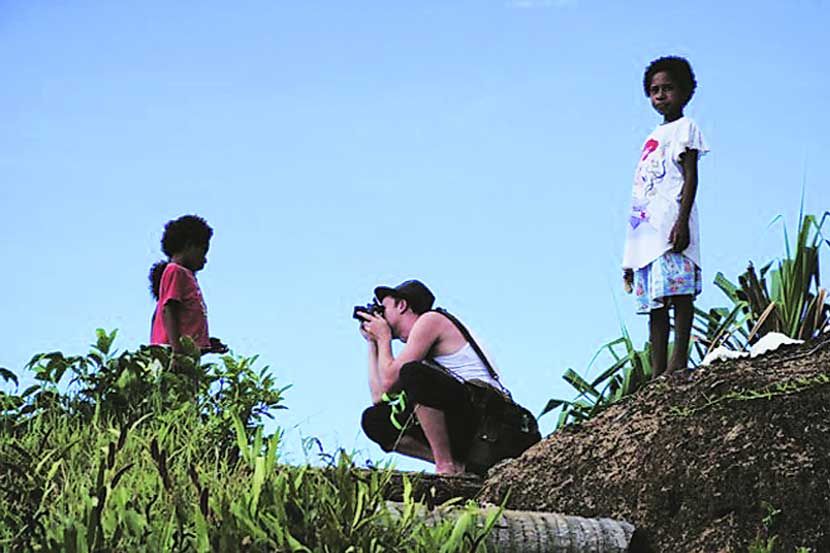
x=374, y=422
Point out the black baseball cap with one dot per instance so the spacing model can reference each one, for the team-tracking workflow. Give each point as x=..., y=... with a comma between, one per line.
x=416, y=294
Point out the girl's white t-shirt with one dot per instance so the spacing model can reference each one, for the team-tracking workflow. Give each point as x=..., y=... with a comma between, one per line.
x=655, y=200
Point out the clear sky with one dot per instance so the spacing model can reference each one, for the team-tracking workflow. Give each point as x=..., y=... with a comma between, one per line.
x=486, y=147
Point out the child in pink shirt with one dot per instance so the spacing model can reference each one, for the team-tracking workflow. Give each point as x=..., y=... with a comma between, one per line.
x=181, y=309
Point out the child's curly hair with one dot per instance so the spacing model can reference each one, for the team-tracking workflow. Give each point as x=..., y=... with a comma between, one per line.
x=188, y=230
x=680, y=71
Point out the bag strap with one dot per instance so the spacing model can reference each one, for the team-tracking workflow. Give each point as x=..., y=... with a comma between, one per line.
x=469, y=337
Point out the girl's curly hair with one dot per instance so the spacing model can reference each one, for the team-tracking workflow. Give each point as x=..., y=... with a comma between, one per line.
x=680, y=71
x=156, y=271
x=189, y=230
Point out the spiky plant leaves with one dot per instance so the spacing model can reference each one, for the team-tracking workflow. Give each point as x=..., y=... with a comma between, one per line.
x=784, y=296
x=551, y=405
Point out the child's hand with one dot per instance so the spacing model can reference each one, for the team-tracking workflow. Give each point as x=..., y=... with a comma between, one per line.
x=628, y=280
x=679, y=236
x=216, y=346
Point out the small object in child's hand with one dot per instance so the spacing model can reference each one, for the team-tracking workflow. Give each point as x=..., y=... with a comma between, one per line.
x=216, y=346
x=628, y=279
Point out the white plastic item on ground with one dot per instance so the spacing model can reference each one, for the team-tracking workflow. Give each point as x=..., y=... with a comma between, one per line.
x=722, y=353
x=771, y=342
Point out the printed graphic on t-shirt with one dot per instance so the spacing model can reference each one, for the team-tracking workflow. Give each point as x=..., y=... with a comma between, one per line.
x=650, y=171
x=656, y=192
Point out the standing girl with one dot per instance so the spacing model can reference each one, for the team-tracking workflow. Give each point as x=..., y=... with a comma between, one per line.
x=662, y=254
x=180, y=309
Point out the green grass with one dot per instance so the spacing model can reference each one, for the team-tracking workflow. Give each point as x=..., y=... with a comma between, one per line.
x=119, y=452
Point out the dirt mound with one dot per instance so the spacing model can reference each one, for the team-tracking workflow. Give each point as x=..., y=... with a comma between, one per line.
x=704, y=464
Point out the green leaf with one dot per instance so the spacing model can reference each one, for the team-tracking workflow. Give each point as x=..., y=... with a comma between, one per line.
x=135, y=522
x=7, y=375
x=493, y=515
x=257, y=483
x=241, y=439
x=727, y=287
x=551, y=405
x=611, y=371
x=103, y=340
x=202, y=533
x=295, y=545
x=579, y=383
x=358, y=509
x=462, y=526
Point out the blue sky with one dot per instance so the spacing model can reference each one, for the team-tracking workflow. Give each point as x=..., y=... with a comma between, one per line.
x=485, y=147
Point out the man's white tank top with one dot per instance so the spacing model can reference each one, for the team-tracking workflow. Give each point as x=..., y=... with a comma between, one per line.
x=464, y=364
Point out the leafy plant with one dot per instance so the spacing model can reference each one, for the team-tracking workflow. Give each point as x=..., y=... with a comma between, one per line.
x=763, y=545
x=718, y=326
x=106, y=385
x=766, y=543
x=71, y=486
x=86, y=464
x=629, y=371
x=785, y=297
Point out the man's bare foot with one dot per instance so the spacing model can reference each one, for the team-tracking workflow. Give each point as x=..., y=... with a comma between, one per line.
x=449, y=469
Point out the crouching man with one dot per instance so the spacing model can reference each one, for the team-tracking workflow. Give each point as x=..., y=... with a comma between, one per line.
x=421, y=399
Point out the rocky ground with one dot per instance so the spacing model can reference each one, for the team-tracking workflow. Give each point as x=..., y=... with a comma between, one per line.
x=702, y=464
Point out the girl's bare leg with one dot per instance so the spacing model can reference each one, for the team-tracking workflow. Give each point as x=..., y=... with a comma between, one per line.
x=683, y=314
x=658, y=336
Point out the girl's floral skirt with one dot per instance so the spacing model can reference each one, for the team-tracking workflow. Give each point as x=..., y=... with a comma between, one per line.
x=672, y=274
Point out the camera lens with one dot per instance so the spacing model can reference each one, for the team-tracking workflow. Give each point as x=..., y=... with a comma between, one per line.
x=358, y=309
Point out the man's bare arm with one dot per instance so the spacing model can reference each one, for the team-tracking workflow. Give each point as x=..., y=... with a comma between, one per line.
x=425, y=333
x=375, y=387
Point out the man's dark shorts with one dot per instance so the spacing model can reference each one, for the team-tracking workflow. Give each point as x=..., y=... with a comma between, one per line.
x=430, y=386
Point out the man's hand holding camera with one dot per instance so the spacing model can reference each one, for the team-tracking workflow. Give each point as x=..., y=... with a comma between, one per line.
x=374, y=327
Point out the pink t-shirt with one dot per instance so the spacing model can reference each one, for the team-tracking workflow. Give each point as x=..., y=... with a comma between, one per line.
x=179, y=284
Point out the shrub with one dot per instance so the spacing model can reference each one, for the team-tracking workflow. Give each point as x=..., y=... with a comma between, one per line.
x=145, y=451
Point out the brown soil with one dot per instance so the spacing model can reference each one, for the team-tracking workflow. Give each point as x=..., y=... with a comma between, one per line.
x=694, y=466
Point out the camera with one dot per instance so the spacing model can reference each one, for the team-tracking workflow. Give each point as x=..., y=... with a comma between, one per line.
x=372, y=308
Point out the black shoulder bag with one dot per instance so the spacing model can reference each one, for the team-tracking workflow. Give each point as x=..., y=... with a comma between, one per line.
x=504, y=428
